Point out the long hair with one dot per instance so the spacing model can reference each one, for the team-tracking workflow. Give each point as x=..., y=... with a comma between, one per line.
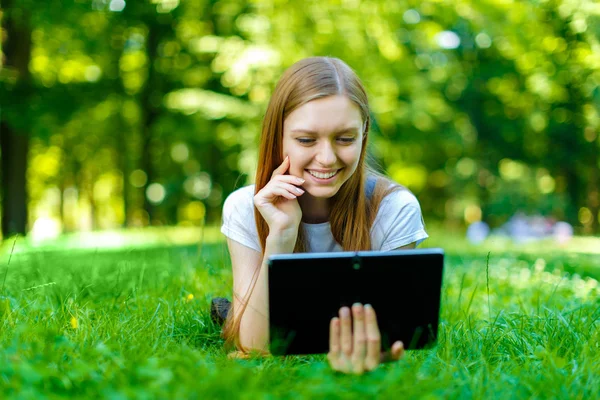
x=351, y=212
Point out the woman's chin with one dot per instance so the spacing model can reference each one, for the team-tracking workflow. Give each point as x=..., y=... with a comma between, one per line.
x=321, y=192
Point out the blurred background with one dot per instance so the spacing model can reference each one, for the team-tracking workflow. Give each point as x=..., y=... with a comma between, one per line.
x=147, y=113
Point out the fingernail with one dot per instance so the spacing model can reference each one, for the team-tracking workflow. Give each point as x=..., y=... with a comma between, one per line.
x=368, y=306
x=301, y=180
x=345, y=312
x=356, y=305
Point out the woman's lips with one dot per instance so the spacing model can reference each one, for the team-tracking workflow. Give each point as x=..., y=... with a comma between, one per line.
x=324, y=180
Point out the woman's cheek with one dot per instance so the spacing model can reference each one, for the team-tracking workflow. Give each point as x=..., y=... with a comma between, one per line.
x=295, y=166
x=293, y=169
x=298, y=172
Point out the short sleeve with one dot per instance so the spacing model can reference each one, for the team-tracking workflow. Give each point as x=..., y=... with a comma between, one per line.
x=238, y=218
x=399, y=222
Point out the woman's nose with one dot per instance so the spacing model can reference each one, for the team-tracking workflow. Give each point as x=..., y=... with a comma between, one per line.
x=326, y=155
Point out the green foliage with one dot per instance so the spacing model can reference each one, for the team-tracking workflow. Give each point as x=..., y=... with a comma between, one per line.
x=485, y=106
x=133, y=323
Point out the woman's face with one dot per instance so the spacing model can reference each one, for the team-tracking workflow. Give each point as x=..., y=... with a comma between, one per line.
x=323, y=139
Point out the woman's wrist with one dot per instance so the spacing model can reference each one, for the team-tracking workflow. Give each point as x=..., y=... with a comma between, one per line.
x=282, y=241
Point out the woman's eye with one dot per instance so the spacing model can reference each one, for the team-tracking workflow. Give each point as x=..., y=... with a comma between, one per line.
x=343, y=140
x=305, y=141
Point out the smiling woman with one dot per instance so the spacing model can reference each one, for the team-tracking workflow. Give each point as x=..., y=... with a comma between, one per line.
x=320, y=137
x=314, y=193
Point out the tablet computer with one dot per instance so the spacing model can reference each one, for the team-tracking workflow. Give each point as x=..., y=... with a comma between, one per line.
x=306, y=290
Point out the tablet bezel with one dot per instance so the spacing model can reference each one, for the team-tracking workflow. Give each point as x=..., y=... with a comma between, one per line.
x=347, y=265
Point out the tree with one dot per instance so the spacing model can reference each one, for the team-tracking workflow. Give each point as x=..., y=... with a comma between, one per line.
x=14, y=138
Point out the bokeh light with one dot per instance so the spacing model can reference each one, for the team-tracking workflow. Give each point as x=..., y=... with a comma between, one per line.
x=156, y=193
x=116, y=5
x=138, y=178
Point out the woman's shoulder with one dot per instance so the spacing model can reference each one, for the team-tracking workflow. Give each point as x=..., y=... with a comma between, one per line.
x=238, y=217
x=400, y=195
x=398, y=199
x=244, y=193
x=399, y=220
x=240, y=198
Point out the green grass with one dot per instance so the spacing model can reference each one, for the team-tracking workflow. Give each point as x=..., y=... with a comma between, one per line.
x=116, y=323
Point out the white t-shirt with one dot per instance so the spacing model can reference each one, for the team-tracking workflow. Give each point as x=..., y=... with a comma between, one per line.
x=398, y=223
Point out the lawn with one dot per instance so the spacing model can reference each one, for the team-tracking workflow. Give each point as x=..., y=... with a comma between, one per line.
x=89, y=320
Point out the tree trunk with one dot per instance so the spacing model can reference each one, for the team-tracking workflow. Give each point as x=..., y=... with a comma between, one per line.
x=14, y=145
x=593, y=198
x=123, y=156
x=150, y=113
x=14, y=194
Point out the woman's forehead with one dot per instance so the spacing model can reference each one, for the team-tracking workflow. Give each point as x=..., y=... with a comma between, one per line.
x=328, y=114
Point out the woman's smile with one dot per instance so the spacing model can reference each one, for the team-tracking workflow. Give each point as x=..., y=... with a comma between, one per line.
x=323, y=177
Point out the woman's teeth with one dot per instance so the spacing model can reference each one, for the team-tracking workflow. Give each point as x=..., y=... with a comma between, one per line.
x=321, y=175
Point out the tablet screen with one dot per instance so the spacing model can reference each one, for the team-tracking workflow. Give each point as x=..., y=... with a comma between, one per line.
x=306, y=290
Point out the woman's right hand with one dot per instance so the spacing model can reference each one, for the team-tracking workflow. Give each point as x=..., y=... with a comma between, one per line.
x=277, y=200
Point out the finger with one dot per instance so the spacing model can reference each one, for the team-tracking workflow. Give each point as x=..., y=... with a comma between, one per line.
x=275, y=189
x=334, y=336
x=293, y=179
x=282, y=168
x=295, y=190
x=280, y=192
x=334, y=343
x=359, y=344
x=346, y=331
x=393, y=354
x=397, y=351
x=373, y=338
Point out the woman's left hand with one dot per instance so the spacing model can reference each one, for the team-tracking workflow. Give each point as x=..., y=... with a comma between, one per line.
x=354, y=344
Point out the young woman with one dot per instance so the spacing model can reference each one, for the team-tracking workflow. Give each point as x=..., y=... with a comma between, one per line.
x=315, y=193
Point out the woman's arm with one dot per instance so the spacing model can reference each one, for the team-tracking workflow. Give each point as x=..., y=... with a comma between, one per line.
x=412, y=245
x=254, y=327
x=277, y=203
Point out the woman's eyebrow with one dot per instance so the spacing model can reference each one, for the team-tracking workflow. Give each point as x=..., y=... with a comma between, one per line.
x=351, y=129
